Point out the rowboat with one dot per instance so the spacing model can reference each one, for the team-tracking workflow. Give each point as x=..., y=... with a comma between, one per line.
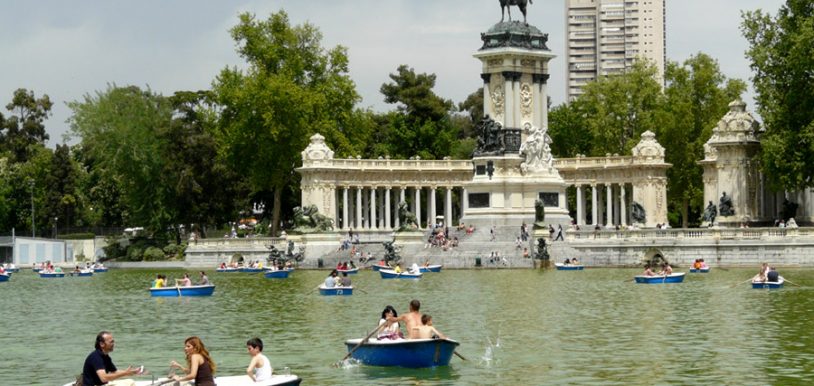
x=279, y=274
x=13, y=270
x=234, y=380
x=52, y=274
x=769, y=284
x=335, y=291
x=431, y=268
x=349, y=271
x=569, y=267
x=660, y=279
x=195, y=290
x=699, y=270
x=228, y=269
x=4, y=277
x=391, y=274
x=251, y=270
x=100, y=270
x=84, y=272
x=36, y=270
x=412, y=353
x=378, y=267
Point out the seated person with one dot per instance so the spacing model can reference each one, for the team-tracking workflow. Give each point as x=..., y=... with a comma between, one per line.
x=426, y=330
x=567, y=262
x=666, y=270
x=398, y=268
x=345, y=280
x=773, y=276
x=330, y=281
x=703, y=264
x=159, y=281
x=574, y=261
x=696, y=264
x=414, y=268
x=648, y=271
x=259, y=368
x=389, y=331
x=184, y=282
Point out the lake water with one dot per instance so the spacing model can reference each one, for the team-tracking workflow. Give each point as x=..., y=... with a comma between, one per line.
x=525, y=327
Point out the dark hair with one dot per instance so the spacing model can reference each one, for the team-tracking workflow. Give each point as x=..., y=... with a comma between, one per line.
x=255, y=342
x=100, y=338
x=390, y=309
x=415, y=305
x=425, y=319
x=344, y=274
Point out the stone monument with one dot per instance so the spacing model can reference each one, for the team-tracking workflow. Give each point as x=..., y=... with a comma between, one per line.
x=512, y=162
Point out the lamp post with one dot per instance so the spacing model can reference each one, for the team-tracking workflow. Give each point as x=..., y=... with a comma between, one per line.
x=33, y=227
x=56, y=221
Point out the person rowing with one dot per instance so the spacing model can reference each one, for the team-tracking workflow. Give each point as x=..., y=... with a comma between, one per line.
x=411, y=319
x=648, y=271
x=666, y=270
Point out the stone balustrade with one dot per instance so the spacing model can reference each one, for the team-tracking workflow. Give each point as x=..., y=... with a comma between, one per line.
x=691, y=233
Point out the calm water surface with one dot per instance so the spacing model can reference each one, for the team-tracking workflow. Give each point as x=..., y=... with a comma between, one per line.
x=522, y=327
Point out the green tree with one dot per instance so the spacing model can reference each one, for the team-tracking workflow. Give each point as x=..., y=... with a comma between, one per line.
x=697, y=95
x=421, y=124
x=25, y=126
x=291, y=89
x=121, y=130
x=61, y=201
x=564, y=122
x=781, y=51
x=615, y=110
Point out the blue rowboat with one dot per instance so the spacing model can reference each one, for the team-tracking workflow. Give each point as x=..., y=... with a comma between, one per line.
x=335, y=291
x=82, y=273
x=412, y=353
x=569, y=267
x=227, y=270
x=195, y=290
x=36, y=270
x=431, y=268
x=661, y=279
x=13, y=270
x=391, y=274
x=251, y=270
x=699, y=270
x=52, y=274
x=100, y=270
x=350, y=271
x=769, y=284
x=379, y=267
x=280, y=274
x=4, y=277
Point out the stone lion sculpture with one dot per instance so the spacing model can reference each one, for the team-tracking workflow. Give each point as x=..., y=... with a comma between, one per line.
x=407, y=219
x=637, y=213
x=309, y=219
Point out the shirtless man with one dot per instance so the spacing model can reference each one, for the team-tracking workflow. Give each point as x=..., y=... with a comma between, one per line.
x=411, y=320
x=426, y=330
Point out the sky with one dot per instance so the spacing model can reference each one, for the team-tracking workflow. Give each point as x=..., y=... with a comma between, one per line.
x=68, y=49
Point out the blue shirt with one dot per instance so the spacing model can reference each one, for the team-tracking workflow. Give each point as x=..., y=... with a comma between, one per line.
x=95, y=361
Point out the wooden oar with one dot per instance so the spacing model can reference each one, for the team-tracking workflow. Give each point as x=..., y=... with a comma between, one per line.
x=458, y=355
x=363, y=291
x=179, y=290
x=313, y=289
x=737, y=284
x=791, y=282
x=362, y=342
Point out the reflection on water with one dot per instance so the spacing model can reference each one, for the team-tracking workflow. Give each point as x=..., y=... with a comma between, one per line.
x=515, y=326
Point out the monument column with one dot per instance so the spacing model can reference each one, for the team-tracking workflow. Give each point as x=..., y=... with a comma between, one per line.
x=373, y=208
x=508, y=91
x=487, y=107
x=594, y=205
x=432, y=206
x=387, y=208
x=580, y=206
x=448, y=208
x=622, y=209
x=401, y=199
x=418, y=206
x=358, y=207
x=345, y=222
x=464, y=201
x=609, y=205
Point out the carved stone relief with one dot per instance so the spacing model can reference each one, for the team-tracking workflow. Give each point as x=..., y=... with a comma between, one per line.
x=525, y=100
x=498, y=96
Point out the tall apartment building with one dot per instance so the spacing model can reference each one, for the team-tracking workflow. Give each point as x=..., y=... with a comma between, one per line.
x=606, y=36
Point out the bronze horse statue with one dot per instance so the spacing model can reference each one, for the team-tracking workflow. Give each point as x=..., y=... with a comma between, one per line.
x=507, y=5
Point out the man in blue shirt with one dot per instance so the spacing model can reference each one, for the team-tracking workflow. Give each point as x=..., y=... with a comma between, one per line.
x=99, y=368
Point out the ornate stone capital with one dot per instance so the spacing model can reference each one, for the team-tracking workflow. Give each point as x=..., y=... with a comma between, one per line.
x=486, y=77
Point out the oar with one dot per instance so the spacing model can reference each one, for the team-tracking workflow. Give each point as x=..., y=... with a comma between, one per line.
x=791, y=282
x=179, y=290
x=458, y=355
x=737, y=284
x=362, y=342
x=313, y=289
x=363, y=291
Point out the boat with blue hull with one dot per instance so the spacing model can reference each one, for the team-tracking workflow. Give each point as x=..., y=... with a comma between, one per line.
x=412, y=353
x=100, y=270
x=431, y=268
x=768, y=284
x=391, y=274
x=335, y=291
x=4, y=277
x=699, y=270
x=279, y=274
x=349, y=271
x=661, y=279
x=227, y=270
x=52, y=274
x=13, y=270
x=251, y=270
x=568, y=267
x=82, y=273
x=195, y=290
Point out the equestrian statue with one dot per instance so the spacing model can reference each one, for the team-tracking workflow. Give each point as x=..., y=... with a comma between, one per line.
x=507, y=5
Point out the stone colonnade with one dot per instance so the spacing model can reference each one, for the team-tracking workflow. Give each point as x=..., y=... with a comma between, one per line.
x=375, y=207
x=610, y=204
